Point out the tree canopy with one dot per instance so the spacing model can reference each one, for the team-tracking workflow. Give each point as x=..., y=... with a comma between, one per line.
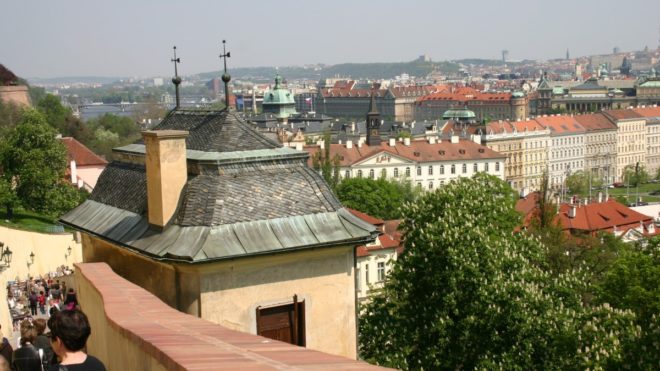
x=377, y=197
x=470, y=293
x=33, y=164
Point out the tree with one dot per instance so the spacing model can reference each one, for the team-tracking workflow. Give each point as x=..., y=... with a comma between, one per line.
x=325, y=163
x=10, y=115
x=55, y=113
x=110, y=131
x=634, y=175
x=469, y=293
x=578, y=182
x=33, y=163
x=377, y=197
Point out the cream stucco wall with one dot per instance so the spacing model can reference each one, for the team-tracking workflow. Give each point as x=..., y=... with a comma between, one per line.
x=90, y=174
x=49, y=250
x=324, y=278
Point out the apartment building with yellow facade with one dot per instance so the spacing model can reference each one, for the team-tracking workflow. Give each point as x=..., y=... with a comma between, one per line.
x=631, y=139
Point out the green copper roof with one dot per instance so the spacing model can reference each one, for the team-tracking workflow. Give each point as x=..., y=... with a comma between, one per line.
x=558, y=90
x=518, y=94
x=651, y=84
x=460, y=113
x=279, y=95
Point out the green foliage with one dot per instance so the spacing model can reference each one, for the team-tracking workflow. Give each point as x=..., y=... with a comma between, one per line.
x=55, y=113
x=635, y=175
x=468, y=293
x=377, y=197
x=110, y=131
x=326, y=164
x=33, y=163
x=10, y=115
x=579, y=182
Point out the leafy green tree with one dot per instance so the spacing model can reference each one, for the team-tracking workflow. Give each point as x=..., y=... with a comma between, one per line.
x=10, y=115
x=110, y=131
x=633, y=282
x=634, y=175
x=55, y=113
x=377, y=197
x=325, y=163
x=33, y=163
x=468, y=293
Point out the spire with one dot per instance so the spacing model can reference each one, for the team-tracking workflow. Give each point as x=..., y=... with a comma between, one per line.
x=225, y=76
x=373, y=122
x=372, y=105
x=176, y=79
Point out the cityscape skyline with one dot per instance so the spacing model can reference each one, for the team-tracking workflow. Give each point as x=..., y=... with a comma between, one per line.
x=135, y=39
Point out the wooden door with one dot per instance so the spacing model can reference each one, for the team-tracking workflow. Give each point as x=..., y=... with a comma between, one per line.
x=284, y=322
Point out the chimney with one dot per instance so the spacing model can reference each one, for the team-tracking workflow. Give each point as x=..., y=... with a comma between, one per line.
x=431, y=140
x=321, y=144
x=349, y=144
x=74, y=172
x=572, y=211
x=359, y=143
x=406, y=141
x=299, y=146
x=392, y=142
x=476, y=138
x=167, y=173
x=454, y=139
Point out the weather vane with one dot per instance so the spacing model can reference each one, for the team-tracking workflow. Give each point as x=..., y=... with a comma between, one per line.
x=225, y=76
x=176, y=79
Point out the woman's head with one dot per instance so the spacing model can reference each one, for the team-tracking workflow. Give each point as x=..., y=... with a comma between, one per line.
x=40, y=325
x=70, y=328
x=28, y=332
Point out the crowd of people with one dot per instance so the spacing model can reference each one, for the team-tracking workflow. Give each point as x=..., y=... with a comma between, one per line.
x=63, y=348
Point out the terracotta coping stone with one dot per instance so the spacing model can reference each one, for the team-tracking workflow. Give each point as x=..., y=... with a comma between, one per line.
x=180, y=341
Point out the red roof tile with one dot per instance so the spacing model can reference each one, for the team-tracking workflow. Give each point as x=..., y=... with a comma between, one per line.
x=595, y=121
x=601, y=217
x=503, y=126
x=366, y=217
x=466, y=94
x=622, y=114
x=648, y=111
x=560, y=124
x=81, y=154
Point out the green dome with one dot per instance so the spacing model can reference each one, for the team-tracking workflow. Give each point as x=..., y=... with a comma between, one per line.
x=518, y=94
x=460, y=114
x=278, y=95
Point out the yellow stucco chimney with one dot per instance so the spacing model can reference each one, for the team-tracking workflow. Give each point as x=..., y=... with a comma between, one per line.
x=167, y=173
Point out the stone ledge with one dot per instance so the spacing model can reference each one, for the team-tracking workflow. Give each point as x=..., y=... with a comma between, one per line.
x=178, y=341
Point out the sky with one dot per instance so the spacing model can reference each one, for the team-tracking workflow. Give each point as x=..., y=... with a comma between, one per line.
x=125, y=38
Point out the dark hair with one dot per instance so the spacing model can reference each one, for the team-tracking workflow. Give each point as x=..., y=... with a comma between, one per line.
x=28, y=332
x=71, y=327
x=40, y=324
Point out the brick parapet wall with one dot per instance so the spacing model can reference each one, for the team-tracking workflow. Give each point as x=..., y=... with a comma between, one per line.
x=131, y=327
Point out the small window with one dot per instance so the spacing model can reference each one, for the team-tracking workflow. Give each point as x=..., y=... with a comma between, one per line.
x=396, y=172
x=453, y=169
x=366, y=273
x=407, y=171
x=442, y=169
x=430, y=185
x=359, y=174
x=486, y=167
x=381, y=271
x=347, y=174
x=464, y=168
x=383, y=173
x=475, y=168
x=430, y=170
x=497, y=166
x=419, y=170
x=371, y=173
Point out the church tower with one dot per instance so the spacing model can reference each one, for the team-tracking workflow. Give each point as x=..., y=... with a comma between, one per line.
x=373, y=123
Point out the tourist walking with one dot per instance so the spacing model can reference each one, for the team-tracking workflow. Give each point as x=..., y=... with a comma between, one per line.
x=69, y=330
x=26, y=358
x=42, y=343
x=34, y=300
x=71, y=301
x=42, y=302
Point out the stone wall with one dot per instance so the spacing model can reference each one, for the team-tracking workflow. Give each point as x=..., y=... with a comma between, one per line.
x=132, y=329
x=15, y=94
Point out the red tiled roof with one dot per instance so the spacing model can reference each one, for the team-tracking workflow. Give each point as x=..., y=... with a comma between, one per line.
x=503, y=126
x=81, y=154
x=603, y=216
x=595, y=121
x=622, y=114
x=418, y=150
x=366, y=217
x=560, y=124
x=648, y=111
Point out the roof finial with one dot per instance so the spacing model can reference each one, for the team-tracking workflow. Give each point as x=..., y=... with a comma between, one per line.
x=176, y=79
x=225, y=76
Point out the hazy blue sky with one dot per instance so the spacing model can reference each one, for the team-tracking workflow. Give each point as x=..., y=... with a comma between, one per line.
x=45, y=38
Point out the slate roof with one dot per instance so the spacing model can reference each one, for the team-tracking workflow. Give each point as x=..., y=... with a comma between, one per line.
x=245, y=195
x=215, y=131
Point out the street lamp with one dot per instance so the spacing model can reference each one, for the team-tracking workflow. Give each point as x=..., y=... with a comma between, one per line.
x=68, y=252
x=6, y=255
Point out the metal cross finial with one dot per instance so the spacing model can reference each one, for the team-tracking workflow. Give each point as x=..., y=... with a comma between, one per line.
x=225, y=54
x=175, y=60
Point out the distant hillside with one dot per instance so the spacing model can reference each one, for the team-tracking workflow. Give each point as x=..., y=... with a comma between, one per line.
x=73, y=79
x=352, y=70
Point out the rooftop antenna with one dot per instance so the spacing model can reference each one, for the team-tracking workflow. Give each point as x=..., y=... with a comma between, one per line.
x=225, y=76
x=176, y=79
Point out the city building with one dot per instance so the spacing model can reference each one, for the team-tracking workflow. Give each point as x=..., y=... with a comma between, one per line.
x=651, y=115
x=279, y=101
x=485, y=105
x=631, y=139
x=600, y=147
x=525, y=144
x=374, y=260
x=346, y=99
x=84, y=166
x=566, y=150
x=222, y=223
